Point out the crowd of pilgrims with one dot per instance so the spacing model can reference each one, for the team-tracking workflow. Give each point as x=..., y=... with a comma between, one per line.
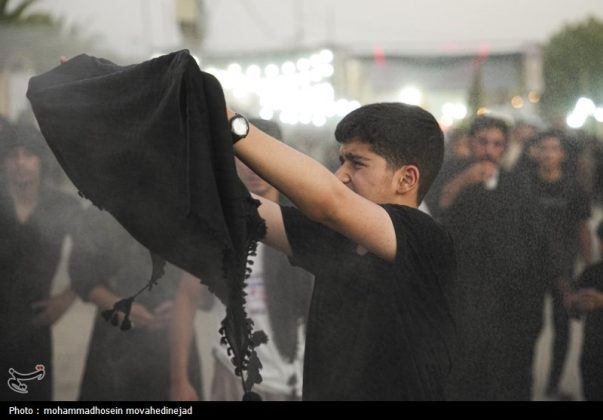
x=517, y=199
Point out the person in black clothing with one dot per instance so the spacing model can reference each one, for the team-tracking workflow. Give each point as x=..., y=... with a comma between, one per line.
x=501, y=272
x=589, y=300
x=566, y=208
x=35, y=218
x=380, y=324
x=106, y=265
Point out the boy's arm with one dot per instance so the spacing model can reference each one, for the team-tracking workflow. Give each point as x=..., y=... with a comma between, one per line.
x=317, y=193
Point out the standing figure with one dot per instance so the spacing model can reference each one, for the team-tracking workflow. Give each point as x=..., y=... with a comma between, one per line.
x=500, y=247
x=566, y=209
x=35, y=219
x=107, y=264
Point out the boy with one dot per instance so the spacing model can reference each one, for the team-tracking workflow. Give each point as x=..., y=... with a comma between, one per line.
x=380, y=324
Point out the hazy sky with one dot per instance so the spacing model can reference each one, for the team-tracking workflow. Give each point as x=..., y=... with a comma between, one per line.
x=393, y=25
x=396, y=26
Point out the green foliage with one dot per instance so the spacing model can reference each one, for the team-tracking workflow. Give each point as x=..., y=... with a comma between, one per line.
x=36, y=40
x=573, y=67
x=18, y=16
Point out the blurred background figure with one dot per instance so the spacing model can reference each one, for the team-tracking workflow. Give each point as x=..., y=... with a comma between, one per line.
x=588, y=300
x=567, y=209
x=277, y=301
x=35, y=219
x=521, y=134
x=457, y=146
x=107, y=264
x=500, y=286
x=456, y=156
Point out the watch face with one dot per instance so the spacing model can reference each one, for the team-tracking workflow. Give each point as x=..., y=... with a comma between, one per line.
x=240, y=127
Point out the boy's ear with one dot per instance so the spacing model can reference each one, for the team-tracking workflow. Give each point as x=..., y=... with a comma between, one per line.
x=408, y=179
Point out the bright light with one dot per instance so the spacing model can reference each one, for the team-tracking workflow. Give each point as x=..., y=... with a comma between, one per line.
x=315, y=60
x=585, y=106
x=315, y=75
x=294, y=91
x=411, y=95
x=517, y=102
x=341, y=107
x=454, y=111
x=326, y=56
x=253, y=71
x=305, y=118
x=319, y=120
x=533, y=97
x=266, y=114
x=288, y=68
x=234, y=68
x=240, y=92
x=271, y=71
x=483, y=111
x=303, y=64
x=327, y=70
x=575, y=120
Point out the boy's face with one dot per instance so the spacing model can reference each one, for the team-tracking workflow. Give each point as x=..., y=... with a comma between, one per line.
x=22, y=166
x=365, y=172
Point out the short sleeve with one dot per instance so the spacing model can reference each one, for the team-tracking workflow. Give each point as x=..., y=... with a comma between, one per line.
x=312, y=244
x=421, y=241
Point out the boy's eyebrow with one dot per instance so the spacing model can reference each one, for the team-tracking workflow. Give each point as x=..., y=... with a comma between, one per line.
x=353, y=157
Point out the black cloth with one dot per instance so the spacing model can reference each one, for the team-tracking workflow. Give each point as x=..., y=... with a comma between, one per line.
x=591, y=361
x=376, y=331
x=503, y=272
x=132, y=365
x=29, y=256
x=151, y=144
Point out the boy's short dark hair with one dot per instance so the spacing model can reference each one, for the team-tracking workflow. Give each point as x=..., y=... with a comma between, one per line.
x=485, y=121
x=402, y=134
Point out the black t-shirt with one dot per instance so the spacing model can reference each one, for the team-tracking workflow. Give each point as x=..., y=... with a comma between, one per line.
x=592, y=278
x=377, y=330
x=564, y=205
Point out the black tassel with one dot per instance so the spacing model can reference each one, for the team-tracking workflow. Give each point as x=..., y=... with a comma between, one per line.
x=251, y=396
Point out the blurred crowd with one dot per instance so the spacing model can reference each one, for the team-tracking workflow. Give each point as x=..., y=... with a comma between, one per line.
x=517, y=199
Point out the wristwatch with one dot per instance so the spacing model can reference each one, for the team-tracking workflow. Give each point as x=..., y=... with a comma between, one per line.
x=239, y=127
